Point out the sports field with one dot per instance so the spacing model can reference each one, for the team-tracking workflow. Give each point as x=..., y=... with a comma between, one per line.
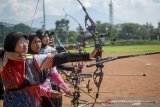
x=124, y=83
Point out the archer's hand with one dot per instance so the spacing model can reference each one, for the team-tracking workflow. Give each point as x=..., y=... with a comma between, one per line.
x=15, y=55
x=55, y=94
x=95, y=52
x=69, y=93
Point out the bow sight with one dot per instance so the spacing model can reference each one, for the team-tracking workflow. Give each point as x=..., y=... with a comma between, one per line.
x=98, y=74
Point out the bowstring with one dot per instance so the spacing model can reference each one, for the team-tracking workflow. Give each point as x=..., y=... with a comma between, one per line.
x=29, y=31
x=30, y=28
x=61, y=44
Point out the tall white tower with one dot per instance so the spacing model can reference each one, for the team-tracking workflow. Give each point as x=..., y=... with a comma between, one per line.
x=111, y=12
x=110, y=22
x=44, y=17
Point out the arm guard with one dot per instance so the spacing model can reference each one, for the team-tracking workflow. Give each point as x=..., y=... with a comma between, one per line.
x=70, y=57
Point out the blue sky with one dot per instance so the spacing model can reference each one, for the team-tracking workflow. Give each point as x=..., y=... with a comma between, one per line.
x=136, y=11
x=158, y=1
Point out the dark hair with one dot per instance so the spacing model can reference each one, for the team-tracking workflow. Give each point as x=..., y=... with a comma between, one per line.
x=41, y=33
x=11, y=41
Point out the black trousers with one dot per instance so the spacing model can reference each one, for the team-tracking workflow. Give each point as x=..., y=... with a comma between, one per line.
x=1, y=89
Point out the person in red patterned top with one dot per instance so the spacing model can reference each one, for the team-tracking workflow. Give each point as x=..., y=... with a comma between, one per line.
x=21, y=78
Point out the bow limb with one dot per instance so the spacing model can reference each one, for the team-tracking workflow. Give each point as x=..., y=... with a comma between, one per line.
x=30, y=28
x=98, y=74
x=92, y=26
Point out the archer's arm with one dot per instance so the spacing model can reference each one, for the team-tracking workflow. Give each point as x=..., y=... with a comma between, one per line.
x=49, y=61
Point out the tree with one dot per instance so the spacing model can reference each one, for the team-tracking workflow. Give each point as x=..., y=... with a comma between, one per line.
x=22, y=28
x=129, y=31
x=101, y=27
x=72, y=36
x=152, y=31
x=62, y=28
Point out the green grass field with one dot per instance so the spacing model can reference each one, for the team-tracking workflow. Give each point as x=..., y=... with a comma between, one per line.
x=129, y=49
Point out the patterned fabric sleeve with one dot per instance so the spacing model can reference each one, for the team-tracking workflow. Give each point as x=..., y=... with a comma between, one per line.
x=4, y=61
x=44, y=61
x=45, y=88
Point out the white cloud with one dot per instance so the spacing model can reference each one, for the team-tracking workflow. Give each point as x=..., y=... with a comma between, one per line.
x=20, y=11
x=138, y=11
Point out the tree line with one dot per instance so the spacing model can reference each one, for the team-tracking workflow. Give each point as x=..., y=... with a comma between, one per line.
x=125, y=31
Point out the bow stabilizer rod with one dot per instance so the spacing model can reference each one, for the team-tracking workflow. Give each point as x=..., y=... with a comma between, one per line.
x=107, y=59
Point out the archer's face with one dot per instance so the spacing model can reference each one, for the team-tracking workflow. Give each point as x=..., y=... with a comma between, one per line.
x=36, y=44
x=22, y=45
x=45, y=39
